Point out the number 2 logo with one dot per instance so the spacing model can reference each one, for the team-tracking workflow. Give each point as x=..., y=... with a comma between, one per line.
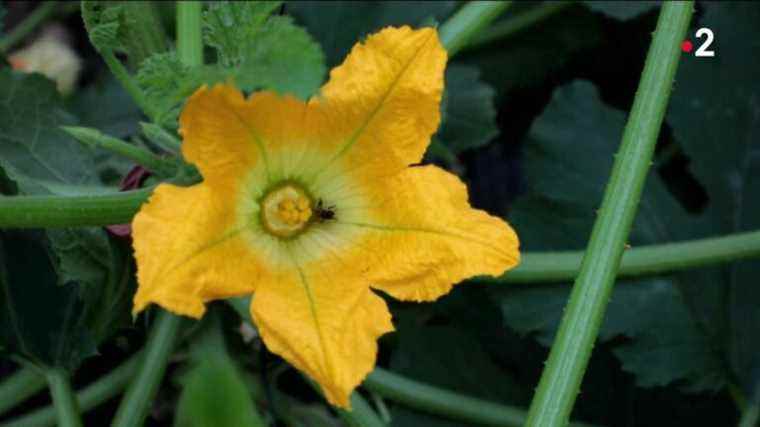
x=703, y=51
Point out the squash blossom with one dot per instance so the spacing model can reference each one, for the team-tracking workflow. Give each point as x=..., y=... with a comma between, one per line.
x=309, y=205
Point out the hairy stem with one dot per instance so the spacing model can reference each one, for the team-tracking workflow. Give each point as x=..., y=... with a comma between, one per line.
x=561, y=378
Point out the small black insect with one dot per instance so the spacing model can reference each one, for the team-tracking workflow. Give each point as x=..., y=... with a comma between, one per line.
x=324, y=213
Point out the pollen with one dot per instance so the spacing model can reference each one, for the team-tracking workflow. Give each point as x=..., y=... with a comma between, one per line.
x=286, y=210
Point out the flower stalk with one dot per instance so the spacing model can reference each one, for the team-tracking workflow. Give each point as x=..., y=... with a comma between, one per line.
x=97, y=139
x=570, y=353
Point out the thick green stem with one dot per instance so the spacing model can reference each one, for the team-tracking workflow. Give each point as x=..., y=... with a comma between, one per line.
x=97, y=139
x=68, y=211
x=517, y=23
x=473, y=17
x=584, y=313
x=40, y=14
x=189, y=39
x=19, y=386
x=637, y=261
x=63, y=398
x=91, y=396
x=136, y=402
x=442, y=402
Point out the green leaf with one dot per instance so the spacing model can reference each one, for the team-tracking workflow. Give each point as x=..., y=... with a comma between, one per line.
x=214, y=393
x=92, y=270
x=338, y=25
x=229, y=26
x=167, y=82
x=39, y=319
x=621, y=10
x=469, y=116
x=263, y=52
x=103, y=21
x=569, y=154
x=282, y=57
x=34, y=152
x=718, y=126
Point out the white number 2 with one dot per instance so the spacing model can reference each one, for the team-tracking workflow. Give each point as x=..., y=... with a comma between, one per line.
x=702, y=51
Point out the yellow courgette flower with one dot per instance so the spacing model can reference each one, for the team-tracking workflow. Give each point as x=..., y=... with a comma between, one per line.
x=309, y=204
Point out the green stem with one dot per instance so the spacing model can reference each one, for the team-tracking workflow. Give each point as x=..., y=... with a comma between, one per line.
x=583, y=316
x=518, y=23
x=130, y=85
x=473, y=17
x=63, y=398
x=442, y=402
x=68, y=211
x=189, y=40
x=22, y=384
x=161, y=137
x=638, y=261
x=361, y=413
x=40, y=14
x=97, y=139
x=136, y=402
x=91, y=396
x=144, y=35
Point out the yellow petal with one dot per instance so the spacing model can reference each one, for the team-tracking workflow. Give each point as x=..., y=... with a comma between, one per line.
x=190, y=248
x=426, y=237
x=324, y=320
x=382, y=104
x=216, y=139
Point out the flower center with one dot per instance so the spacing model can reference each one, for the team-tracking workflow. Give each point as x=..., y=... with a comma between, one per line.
x=286, y=210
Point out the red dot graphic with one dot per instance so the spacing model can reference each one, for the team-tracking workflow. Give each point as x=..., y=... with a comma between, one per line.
x=686, y=46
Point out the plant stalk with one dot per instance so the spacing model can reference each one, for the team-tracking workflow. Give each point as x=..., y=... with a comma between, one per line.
x=134, y=406
x=518, y=23
x=189, y=38
x=97, y=139
x=568, y=359
x=19, y=386
x=63, y=398
x=468, y=21
x=91, y=396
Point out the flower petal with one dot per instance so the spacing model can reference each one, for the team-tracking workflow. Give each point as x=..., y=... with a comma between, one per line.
x=322, y=319
x=383, y=101
x=216, y=138
x=426, y=237
x=190, y=249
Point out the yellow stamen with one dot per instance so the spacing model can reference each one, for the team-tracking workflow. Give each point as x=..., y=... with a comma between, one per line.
x=286, y=210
